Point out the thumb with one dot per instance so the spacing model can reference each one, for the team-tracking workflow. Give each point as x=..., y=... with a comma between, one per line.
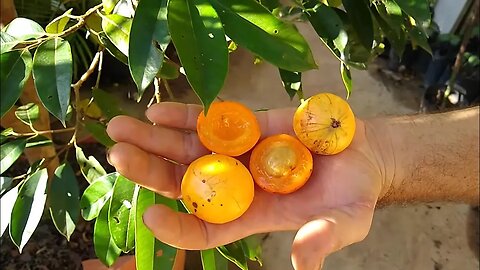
x=330, y=232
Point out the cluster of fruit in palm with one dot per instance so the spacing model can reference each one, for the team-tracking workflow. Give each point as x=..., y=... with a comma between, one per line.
x=218, y=188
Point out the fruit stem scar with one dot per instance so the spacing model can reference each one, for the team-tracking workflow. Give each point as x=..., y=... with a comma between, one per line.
x=335, y=123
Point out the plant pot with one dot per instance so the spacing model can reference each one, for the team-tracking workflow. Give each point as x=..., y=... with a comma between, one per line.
x=128, y=263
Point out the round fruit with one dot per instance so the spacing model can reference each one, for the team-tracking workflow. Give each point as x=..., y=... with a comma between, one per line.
x=281, y=164
x=229, y=128
x=325, y=124
x=217, y=188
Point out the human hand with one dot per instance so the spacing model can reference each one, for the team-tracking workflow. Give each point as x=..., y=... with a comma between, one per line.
x=333, y=210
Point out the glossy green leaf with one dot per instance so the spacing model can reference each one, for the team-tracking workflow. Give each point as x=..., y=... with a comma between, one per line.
x=121, y=215
x=7, y=201
x=199, y=38
x=346, y=78
x=391, y=13
x=109, y=5
x=10, y=152
x=105, y=248
x=252, y=26
x=150, y=253
x=28, y=113
x=252, y=248
x=38, y=141
x=28, y=208
x=418, y=9
x=117, y=29
x=149, y=24
x=419, y=38
x=58, y=24
x=23, y=29
x=292, y=82
x=90, y=168
x=107, y=102
x=64, y=200
x=7, y=42
x=394, y=34
x=213, y=260
x=15, y=68
x=234, y=252
x=361, y=20
x=324, y=20
x=36, y=166
x=52, y=72
x=99, y=132
x=5, y=183
x=169, y=71
x=96, y=195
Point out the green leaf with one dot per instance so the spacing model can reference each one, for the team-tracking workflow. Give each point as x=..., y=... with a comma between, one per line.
x=324, y=20
x=234, y=252
x=108, y=103
x=292, y=82
x=213, y=260
x=117, y=29
x=169, y=71
x=150, y=253
x=199, y=38
x=99, y=132
x=109, y=5
x=252, y=26
x=361, y=20
x=90, y=168
x=28, y=208
x=10, y=152
x=52, y=72
x=38, y=141
x=5, y=183
x=24, y=29
x=28, y=113
x=105, y=248
x=7, y=42
x=121, y=215
x=64, y=200
x=36, y=166
x=418, y=9
x=58, y=24
x=419, y=38
x=346, y=78
x=7, y=201
x=15, y=68
x=252, y=248
x=149, y=24
x=96, y=195
x=394, y=34
x=391, y=13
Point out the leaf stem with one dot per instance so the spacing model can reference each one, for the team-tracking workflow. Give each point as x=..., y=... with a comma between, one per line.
x=156, y=85
x=41, y=132
x=100, y=64
x=169, y=90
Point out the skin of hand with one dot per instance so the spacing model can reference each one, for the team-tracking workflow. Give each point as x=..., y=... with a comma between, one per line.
x=333, y=210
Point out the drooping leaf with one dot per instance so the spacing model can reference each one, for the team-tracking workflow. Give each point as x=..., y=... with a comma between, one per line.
x=252, y=248
x=253, y=27
x=394, y=34
x=109, y=5
x=198, y=36
x=59, y=23
x=108, y=103
x=418, y=9
x=361, y=20
x=169, y=70
x=292, y=82
x=117, y=29
x=234, y=252
x=149, y=24
x=7, y=42
x=96, y=195
x=52, y=72
x=346, y=78
x=90, y=168
x=5, y=183
x=10, y=152
x=121, y=215
x=28, y=208
x=89, y=108
x=150, y=253
x=99, y=132
x=36, y=166
x=324, y=20
x=105, y=248
x=38, y=141
x=419, y=38
x=64, y=200
x=24, y=29
x=7, y=201
x=391, y=13
x=213, y=260
x=15, y=68
x=28, y=113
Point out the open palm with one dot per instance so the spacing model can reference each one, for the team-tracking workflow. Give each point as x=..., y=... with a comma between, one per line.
x=334, y=208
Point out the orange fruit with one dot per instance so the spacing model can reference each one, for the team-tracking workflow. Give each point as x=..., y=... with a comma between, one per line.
x=325, y=124
x=281, y=164
x=229, y=128
x=217, y=188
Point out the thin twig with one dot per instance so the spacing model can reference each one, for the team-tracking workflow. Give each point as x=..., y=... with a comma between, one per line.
x=156, y=86
x=100, y=64
x=169, y=90
x=41, y=132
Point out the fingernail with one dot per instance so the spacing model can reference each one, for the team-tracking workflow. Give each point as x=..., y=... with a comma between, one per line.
x=108, y=156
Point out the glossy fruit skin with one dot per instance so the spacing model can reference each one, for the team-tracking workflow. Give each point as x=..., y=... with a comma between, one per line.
x=229, y=128
x=217, y=188
x=281, y=164
x=325, y=124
